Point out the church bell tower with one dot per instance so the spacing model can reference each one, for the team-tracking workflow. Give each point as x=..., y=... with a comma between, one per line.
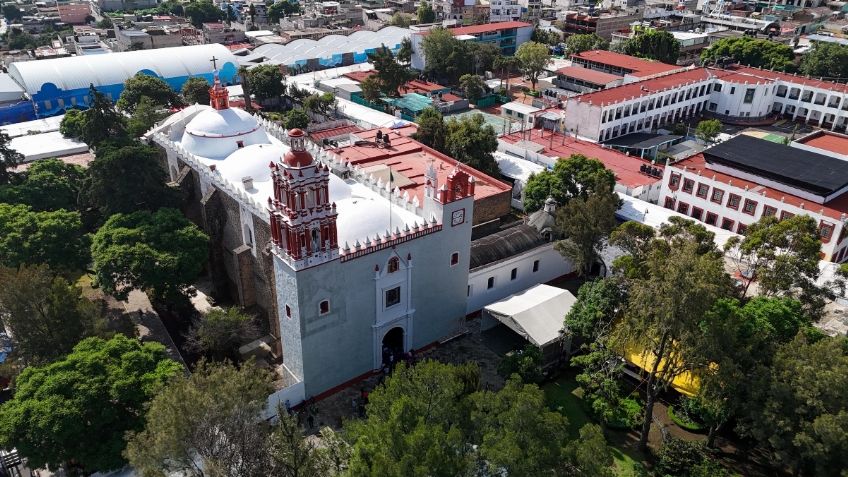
x=303, y=220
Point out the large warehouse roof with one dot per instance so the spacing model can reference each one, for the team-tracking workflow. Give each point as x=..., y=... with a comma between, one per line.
x=115, y=68
x=327, y=47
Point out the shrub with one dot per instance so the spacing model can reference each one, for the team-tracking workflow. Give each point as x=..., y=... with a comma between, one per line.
x=677, y=457
x=687, y=414
x=626, y=415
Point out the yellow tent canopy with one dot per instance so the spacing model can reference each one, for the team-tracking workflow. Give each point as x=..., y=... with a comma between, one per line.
x=685, y=383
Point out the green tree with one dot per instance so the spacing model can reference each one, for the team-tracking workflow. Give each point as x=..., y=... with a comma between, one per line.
x=404, y=54
x=371, y=89
x=141, y=86
x=445, y=57
x=829, y=60
x=657, y=45
x=756, y=52
x=799, y=411
x=400, y=20
x=196, y=90
x=432, y=129
x=506, y=65
x=390, y=74
x=425, y=13
x=147, y=113
x=219, y=333
x=481, y=56
x=266, y=82
x=708, y=129
x=296, y=118
x=472, y=86
x=546, y=37
x=45, y=315
x=48, y=184
x=322, y=104
x=532, y=59
x=585, y=224
x=55, y=238
x=577, y=176
x=526, y=363
x=9, y=158
x=598, y=303
x=125, y=177
x=78, y=409
x=202, y=11
x=100, y=122
x=295, y=456
x=470, y=140
x=158, y=252
x=576, y=44
x=783, y=256
x=73, y=123
x=282, y=9
x=206, y=424
x=662, y=321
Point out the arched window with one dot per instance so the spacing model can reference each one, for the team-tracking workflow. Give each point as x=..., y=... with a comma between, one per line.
x=394, y=264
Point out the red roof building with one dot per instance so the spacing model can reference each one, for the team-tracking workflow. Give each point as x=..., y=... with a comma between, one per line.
x=407, y=161
x=825, y=142
x=620, y=64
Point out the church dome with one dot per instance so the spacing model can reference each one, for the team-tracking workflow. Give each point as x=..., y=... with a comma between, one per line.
x=216, y=134
x=251, y=161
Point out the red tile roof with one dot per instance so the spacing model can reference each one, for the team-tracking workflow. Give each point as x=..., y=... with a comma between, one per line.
x=643, y=88
x=409, y=158
x=625, y=168
x=638, y=66
x=789, y=78
x=833, y=209
x=333, y=132
x=588, y=75
x=359, y=76
x=826, y=140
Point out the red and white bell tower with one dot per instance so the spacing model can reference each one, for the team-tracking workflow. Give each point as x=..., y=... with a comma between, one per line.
x=303, y=220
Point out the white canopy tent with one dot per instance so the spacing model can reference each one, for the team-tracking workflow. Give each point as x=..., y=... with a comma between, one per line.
x=536, y=313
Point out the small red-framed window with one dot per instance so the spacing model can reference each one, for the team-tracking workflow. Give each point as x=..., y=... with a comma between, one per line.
x=741, y=228
x=711, y=218
x=786, y=215
x=703, y=189
x=826, y=231
x=697, y=213
x=750, y=207
x=688, y=185
x=669, y=203
x=683, y=208
x=727, y=224
x=717, y=196
x=769, y=211
x=674, y=181
x=394, y=264
x=733, y=201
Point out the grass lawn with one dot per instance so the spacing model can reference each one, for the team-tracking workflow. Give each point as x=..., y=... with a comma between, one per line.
x=564, y=395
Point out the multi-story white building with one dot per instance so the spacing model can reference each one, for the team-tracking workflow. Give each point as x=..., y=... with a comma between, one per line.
x=504, y=11
x=735, y=183
x=733, y=94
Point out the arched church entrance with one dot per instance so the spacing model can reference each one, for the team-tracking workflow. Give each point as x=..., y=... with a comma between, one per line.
x=393, y=346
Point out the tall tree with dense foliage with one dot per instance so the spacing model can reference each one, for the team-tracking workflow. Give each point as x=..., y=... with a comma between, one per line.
x=801, y=407
x=757, y=52
x=146, y=86
x=370, y=87
x=445, y=57
x=202, y=11
x=45, y=314
x=708, y=129
x=585, y=224
x=390, y=74
x=470, y=140
x=196, y=90
x=576, y=176
x=576, y=44
x=296, y=119
x=98, y=123
x=48, y=184
x=828, y=60
x=425, y=13
x=77, y=410
x=404, y=54
x=55, y=238
x=125, y=177
x=158, y=252
x=506, y=65
x=432, y=129
x=206, y=423
x=147, y=113
x=680, y=282
x=219, y=333
x=783, y=256
x=598, y=303
x=472, y=86
x=266, y=82
x=9, y=158
x=657, y=45
x=282, y=9
x=532, y=59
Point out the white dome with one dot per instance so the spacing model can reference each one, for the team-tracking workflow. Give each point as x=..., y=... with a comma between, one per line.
x=251, y=161
x=216, y=134
x=339, y=189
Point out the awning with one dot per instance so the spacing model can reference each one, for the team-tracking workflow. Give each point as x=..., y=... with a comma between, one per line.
x=537, y=314
x=686, y=383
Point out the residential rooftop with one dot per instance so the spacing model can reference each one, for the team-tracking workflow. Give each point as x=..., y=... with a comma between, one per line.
x=827, y=141
x=484, y=28
x=588, y=75
x=635, y=66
